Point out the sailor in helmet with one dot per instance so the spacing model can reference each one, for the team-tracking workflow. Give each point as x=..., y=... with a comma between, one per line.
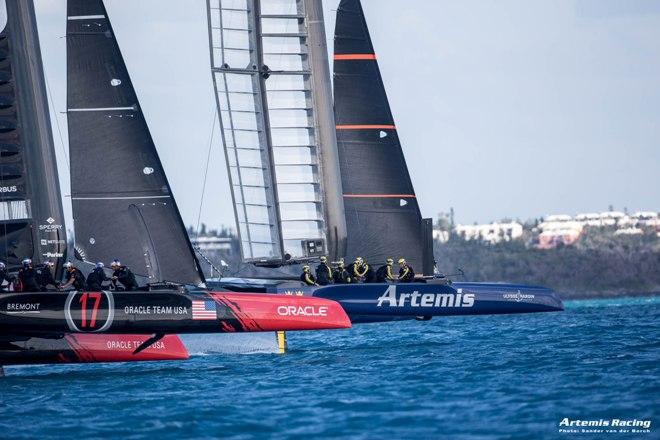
x=96, y=277
x=124, y=276
x=341, y=275
x=358, y=269
x=384, y=273
x=406, y=272
x=45, y=276
x=323, y=272
x=4, y=276
x=74, y=277
x=307, y=277
x=27, y=277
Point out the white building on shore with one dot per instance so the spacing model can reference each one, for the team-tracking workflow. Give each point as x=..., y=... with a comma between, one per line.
x=491, y=233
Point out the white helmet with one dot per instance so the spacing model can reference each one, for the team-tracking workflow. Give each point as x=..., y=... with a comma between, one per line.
x=68, y=265
x=115, y=263
x=26, y=261
x=2, y=265
x=100, y=265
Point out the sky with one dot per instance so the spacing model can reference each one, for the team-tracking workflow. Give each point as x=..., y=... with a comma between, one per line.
x=507, y=109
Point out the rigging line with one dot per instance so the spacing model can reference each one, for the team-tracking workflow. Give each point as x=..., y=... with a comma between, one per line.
x=206, y=171
x=57, y=122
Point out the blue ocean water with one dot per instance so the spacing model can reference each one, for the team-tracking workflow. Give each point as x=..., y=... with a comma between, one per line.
x=478, y=377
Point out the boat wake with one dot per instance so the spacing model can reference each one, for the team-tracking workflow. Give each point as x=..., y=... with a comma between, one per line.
x=230, y=343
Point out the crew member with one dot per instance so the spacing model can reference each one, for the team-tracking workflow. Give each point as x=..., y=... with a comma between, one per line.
x=341, y=275
x=45, y=277
x=406, y=272
x=123, y=275
x=4, y=276
x=27, y=277
x=96, y=278
x=307, y=277
x=384, y=273
x=323, y=272
x=74, y=277
x=358, y=269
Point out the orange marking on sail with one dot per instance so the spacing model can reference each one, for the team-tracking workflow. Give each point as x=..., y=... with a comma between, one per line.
x=366, y=127
x=382, y=196
x=355, y=56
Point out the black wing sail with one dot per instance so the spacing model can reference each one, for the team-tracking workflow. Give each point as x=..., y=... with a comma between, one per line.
x=122, y=203
x=382, y=215
x=31, y=218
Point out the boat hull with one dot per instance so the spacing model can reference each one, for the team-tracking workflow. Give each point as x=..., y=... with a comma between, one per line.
x=381, y=302
x=37, y=328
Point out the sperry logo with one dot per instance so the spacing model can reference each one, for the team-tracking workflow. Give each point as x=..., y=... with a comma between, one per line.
x=50, y=220
x=416, y=299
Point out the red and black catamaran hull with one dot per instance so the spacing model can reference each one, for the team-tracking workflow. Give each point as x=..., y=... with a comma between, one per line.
x=110, y=326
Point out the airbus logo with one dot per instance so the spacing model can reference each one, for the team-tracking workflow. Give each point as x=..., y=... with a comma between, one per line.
x=416, y=299
x=302, y=311
x=8, y=189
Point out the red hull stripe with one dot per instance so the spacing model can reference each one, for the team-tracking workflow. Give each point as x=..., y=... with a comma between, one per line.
x=119, y=348
x=381, y=196
x=365, y=127
x=283, y=312
x=355, y=56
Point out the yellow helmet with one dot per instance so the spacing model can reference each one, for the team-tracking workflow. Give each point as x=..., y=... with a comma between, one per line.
x=390, y=261
x=359, y=260
x=324, y=259
x=402, y=261
x=305, y=268
x=340, y=263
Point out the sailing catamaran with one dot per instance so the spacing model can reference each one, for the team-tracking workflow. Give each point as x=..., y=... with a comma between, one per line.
x=270, y=71
x=127, y=210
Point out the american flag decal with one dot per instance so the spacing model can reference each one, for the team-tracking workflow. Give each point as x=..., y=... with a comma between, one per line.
x=204, y=310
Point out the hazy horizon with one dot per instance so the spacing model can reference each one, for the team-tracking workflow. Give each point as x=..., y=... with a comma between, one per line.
x=513, y=109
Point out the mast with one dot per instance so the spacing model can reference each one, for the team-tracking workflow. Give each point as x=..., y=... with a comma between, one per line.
x=382, y=213
x=327, y=137
x=31, y=215
x=123, y=205
x=262, y=62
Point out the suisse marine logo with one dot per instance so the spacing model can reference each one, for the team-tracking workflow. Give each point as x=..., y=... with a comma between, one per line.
x=518, y=296
x=89, y=312
x=416, y=299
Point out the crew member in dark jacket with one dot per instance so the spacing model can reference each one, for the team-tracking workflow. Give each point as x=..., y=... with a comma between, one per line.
x=340, y=274
x=96, y=278
x=406, y=272
x=323, y=272
x=124, y=275
x=45, y=277
x=4, y=276
x=74, y=277
x=384, y=273
x=307, y=277
x=28, y=277
x=358, y=270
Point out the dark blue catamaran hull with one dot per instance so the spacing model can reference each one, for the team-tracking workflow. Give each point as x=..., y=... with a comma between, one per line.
x=381, y=302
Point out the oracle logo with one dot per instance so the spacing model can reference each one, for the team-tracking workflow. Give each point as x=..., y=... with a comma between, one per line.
x=302, y=311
